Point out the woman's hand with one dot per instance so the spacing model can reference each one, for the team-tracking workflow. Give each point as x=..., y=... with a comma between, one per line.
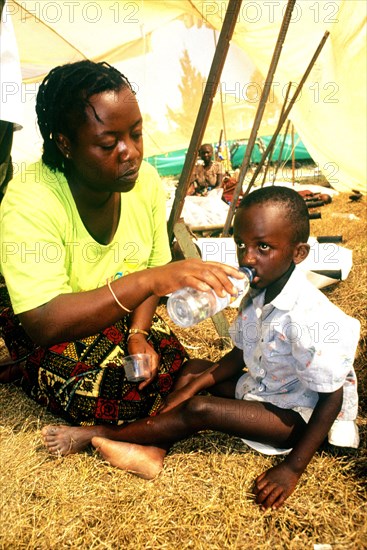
x=275, y=485
x=194, y=273
x=138, y=344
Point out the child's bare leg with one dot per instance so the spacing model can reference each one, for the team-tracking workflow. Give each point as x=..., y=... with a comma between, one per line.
x=252, y=420
x=64, y=440
x=247, y=419
x=145, y=462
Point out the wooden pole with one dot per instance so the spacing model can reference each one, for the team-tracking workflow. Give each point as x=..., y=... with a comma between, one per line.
x=287, y=111
x=281, y=151
x=259, y=113
x=216, y=156
x=272, y=149
x=211, y=86
x=224, y=131
x=293, y=157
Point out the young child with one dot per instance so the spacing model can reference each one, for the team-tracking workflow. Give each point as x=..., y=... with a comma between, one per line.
x=287, y=383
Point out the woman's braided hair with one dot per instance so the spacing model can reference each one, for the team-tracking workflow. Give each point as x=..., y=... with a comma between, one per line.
x=63, y=98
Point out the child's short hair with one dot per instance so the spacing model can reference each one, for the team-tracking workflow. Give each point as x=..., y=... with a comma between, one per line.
x=292, y=204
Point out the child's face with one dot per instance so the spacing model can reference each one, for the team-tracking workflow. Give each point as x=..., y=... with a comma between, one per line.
x=264, y=241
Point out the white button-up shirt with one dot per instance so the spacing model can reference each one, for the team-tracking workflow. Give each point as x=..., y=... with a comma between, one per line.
x=296, y=346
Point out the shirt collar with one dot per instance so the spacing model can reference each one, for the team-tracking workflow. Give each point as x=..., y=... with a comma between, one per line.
x=288, y=296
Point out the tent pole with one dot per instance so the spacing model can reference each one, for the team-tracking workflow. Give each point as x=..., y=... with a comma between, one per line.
x=272, y=149
x=281, y=151
x=287, y=111
x=216, y=156
x=259, y=113
x=293, y=159
x=223, y=118
x=219, y=58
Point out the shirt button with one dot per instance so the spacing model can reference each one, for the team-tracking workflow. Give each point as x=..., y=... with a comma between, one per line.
x=261, y=388
x=262, y=372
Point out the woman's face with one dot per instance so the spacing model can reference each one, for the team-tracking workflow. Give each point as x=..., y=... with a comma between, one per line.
x=108, y=149
x=264, y=241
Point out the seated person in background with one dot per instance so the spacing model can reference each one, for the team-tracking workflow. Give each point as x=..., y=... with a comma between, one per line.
x=207, y=174
x=229, y=187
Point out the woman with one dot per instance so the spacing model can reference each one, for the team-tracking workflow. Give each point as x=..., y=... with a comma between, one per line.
x=78, y=232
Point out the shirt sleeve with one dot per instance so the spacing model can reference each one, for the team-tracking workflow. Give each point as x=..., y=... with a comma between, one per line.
x=32, y=248
x=325, y=349
x=161, y=253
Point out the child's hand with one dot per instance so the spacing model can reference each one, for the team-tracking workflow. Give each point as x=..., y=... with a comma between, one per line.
x=275, y=485
x=174, y=399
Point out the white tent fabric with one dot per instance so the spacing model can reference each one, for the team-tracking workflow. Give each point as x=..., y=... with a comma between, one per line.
x=10, y=110
x=330, y=116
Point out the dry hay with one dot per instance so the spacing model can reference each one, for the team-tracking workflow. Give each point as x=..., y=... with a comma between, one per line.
x=203, y=498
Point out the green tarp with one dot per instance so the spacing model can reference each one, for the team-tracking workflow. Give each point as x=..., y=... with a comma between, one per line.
x=171, y=164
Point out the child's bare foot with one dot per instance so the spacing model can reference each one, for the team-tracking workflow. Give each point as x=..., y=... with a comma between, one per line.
x=66, y=440
x=141, y=460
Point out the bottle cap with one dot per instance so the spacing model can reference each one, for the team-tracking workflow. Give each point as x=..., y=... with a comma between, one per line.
x=250, y=272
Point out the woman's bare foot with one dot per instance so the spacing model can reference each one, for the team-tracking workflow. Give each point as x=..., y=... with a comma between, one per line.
x=143, y=461
x=66, y=440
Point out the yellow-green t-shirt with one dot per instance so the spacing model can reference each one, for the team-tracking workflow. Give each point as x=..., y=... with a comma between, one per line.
x=46, y=249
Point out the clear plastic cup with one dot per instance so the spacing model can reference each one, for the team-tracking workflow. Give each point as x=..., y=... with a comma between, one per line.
x=138, y=367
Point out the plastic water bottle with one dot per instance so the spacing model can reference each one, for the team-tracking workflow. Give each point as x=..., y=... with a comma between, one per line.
x=188, y=306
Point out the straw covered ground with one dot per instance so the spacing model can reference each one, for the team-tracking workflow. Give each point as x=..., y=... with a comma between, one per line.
x=202, y=499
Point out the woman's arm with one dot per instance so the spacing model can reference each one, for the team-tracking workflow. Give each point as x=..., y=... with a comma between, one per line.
x=275, y=485
x=77, y=315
